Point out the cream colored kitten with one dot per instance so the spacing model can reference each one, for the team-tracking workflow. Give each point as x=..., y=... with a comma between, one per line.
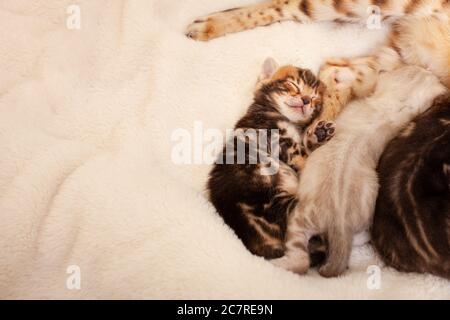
x=339, y=185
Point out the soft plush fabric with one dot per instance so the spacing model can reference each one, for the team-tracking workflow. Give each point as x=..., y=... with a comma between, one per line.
x=86, y=175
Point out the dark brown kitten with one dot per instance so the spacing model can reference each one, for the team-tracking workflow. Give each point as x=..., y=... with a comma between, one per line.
x=411, y=229
x=255, y=196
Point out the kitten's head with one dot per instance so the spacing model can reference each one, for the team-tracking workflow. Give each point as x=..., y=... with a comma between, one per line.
x=294, y=92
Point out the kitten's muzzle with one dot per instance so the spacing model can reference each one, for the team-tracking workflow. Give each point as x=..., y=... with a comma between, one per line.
x=306, y=100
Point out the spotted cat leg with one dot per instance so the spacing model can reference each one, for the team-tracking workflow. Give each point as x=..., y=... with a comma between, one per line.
x=292, y=151
x=264, y=238
x=239, y=19
x=338, y=81
x=355, y=77
x=269, y=229
x=346, y=79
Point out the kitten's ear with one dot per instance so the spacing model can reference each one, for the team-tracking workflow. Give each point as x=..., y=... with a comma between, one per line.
x=270, y=66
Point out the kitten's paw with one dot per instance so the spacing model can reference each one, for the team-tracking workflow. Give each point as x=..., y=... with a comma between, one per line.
x=337, y=73
x=209, y=27
x=324, y=131
x=359, y=74
x=321, y=133
x=271, y=252
x=297, y=264
x=274, y=249
x=201, y=30
x=331, y=271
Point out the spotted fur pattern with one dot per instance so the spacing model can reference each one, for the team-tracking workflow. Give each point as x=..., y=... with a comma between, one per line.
x=411, y=227
x=251, y=200
x=420, y=28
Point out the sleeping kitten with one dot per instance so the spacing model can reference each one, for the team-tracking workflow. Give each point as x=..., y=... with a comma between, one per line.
x=253, y=201
x=338, y=186
x=411, y=227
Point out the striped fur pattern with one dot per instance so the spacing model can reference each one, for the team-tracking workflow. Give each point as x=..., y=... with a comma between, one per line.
x=339, y=185
x=420, y=28
x=252, y=201
x=411, y=227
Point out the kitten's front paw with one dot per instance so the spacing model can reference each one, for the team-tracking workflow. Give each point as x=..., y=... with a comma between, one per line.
x=321, y=133
x=324, y=131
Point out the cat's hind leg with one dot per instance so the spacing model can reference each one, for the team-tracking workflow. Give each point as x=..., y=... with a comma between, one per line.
x=239, y=19
x=296, y=258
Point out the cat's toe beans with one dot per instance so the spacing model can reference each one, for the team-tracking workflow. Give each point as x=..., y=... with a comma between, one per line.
x=331, y=129
x=324, y=131
x=321, y=134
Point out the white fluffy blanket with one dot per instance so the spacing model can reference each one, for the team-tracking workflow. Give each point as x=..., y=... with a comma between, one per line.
x=86, y=176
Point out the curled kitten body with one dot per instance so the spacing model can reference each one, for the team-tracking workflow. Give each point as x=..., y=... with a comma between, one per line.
x=339, y=184
x=255, y=195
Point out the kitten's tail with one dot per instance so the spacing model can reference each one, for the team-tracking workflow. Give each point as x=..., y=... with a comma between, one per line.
x=339, y=250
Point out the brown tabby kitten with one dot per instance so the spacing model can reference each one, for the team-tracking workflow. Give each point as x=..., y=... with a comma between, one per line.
x=252, y=200
x=420, y=28
x=411, y=228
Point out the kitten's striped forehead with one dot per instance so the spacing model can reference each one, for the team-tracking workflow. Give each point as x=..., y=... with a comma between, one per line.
x=306, y=76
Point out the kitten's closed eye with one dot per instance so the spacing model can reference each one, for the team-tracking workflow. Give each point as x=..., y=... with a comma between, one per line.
x=292, y=88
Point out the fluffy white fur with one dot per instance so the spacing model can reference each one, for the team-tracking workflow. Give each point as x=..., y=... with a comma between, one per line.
x=86, y=176
x=339, y=185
